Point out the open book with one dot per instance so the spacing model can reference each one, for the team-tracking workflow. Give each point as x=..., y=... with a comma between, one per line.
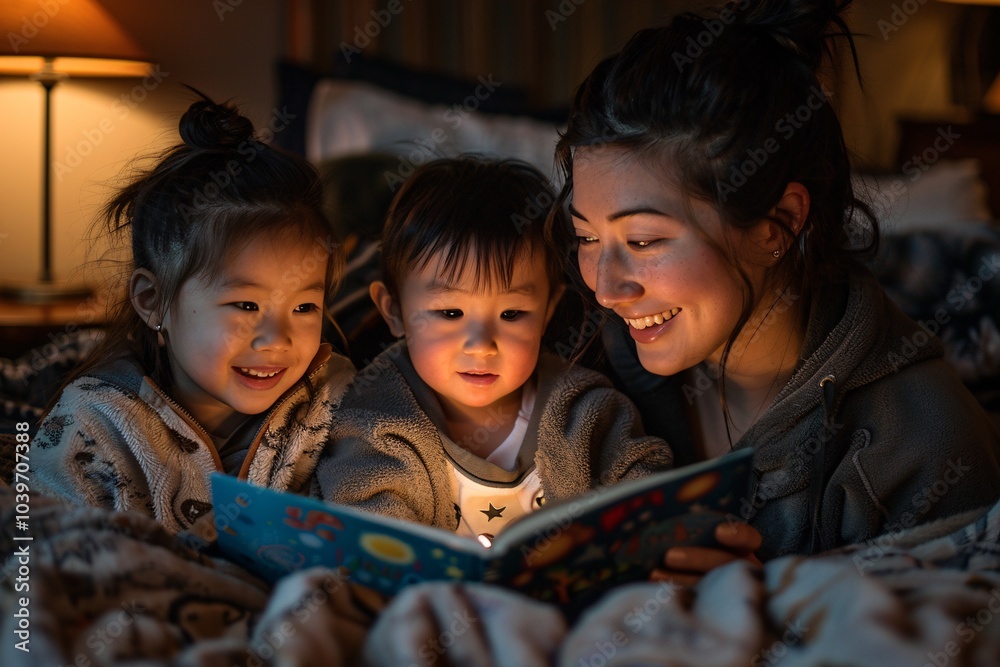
x=563, y=553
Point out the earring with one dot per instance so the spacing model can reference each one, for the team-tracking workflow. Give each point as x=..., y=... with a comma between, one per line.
x=158, y=327
x=776, y=253
x=160, y=340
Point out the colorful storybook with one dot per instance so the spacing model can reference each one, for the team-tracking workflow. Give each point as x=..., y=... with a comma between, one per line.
x=564, y=553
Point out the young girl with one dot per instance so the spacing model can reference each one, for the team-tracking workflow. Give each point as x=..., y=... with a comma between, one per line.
x=213, y=360
x=464, y=424
x=712, y=209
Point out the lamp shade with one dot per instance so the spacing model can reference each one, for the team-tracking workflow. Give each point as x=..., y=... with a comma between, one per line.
x=78, y=38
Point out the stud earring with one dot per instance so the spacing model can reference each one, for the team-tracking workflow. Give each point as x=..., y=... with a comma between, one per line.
x=776, y=253
x=160, y=340
x=158, y=327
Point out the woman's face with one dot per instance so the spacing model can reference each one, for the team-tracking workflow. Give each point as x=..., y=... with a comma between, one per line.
x=644, y=258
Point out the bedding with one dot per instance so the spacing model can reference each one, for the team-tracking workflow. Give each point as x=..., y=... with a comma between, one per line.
x=116, y=589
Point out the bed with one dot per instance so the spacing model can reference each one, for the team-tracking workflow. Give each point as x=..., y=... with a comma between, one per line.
x=96, y=588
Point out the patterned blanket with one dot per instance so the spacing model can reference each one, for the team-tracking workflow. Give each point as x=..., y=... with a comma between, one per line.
x=949, y=282
x=96, y=588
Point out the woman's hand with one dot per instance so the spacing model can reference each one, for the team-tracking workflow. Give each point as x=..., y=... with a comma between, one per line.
x=687, y=565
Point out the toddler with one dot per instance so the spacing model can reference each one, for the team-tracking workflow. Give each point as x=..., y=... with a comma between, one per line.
x=465, y=424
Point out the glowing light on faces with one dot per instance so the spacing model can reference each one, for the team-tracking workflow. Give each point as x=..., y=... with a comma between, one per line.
x=646, y=261
x=238, y=343
x=475, y=346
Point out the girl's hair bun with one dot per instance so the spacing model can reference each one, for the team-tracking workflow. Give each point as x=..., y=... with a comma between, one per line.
x=207, y=124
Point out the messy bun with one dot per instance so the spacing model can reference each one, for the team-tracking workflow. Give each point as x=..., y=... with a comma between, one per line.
x=804, y=28
x=209, y=125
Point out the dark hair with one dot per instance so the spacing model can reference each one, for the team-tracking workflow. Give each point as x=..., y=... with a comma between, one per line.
x=204, y=199
x=732, y=102
x=495, y=209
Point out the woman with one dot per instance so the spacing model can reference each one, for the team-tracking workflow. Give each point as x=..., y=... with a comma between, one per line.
x=713, y=216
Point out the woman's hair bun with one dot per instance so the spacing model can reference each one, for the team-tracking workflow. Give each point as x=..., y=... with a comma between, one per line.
x=207, y=124
x=803, y=27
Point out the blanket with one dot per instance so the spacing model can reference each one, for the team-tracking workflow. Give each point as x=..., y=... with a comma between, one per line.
x=98, y=588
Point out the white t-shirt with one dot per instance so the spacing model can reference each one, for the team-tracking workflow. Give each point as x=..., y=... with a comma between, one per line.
x=484, y=503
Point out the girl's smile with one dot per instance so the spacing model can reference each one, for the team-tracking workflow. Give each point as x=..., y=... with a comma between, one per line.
x=259, y=378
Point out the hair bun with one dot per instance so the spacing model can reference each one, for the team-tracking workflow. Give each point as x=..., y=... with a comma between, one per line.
x=207, y=124
x=801, y=26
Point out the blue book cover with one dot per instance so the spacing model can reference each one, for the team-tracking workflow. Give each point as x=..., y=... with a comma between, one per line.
x=563, y=553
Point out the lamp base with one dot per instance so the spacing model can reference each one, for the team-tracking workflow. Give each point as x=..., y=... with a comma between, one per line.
x=44, y=291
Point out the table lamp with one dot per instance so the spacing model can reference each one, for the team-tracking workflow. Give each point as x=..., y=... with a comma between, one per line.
x=48, y=42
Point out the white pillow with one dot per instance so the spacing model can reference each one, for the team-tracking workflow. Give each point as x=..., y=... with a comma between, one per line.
x=949, y=193
x=350, y=117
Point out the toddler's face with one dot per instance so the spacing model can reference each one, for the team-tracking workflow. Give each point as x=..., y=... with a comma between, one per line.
x=238, y=343
x=475, y=348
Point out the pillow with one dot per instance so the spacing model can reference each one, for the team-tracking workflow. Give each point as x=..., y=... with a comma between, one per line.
x=347, y=117
x=950, y=192
x=430, y=87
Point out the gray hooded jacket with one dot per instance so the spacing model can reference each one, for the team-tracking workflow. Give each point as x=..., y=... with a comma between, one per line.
x=874, y=432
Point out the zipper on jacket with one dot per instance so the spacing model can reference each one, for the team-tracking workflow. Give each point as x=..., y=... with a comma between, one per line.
x=817, y=483
x=192, y=422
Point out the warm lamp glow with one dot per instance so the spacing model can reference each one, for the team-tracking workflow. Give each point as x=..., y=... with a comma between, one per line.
x=28, y=65
x=48, y=42
x=79, y=37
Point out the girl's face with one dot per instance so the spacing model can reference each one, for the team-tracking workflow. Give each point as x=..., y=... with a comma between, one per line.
x=645, y=260
x=237, y=343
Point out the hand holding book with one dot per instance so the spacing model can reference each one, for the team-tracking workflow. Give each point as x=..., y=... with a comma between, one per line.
x=686, y=565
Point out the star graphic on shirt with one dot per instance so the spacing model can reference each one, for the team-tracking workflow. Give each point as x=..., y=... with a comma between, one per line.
x=493, y=512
